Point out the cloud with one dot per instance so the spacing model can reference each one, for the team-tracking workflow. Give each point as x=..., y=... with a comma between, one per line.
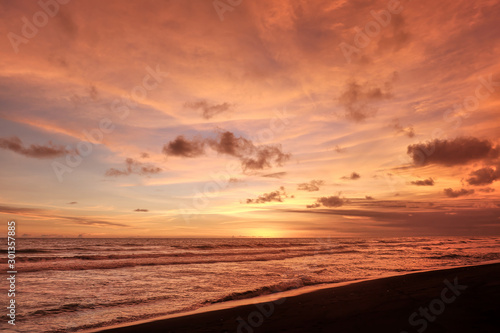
x=368, y=197
x=49, y=214
x=330, y=202
x=425, y=182
x=209, y=110
x=399, y=37
x=458, y=151
x=408, y=131
x=339, y=149
x=353, y=176
x=35, y=151
x=276, y=196
x=252, y=157
x=144, y=155
x=72, y=203
x=90, y=221
x=141, y=210
x=312, y=186
x=455, y=194
x=356, y=100
x=487, y=190
x=185, y=148
x=134, y=167
x=275, y=175
x=484, y=176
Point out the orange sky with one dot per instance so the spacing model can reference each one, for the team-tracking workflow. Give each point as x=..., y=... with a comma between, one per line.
x=261, y=118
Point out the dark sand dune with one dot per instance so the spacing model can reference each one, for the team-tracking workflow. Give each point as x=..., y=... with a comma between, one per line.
x=382, y=305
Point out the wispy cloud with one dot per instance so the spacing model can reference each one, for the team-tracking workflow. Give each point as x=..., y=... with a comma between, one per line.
x=209, y=110
x=276, y=196
x=458, y=193
x=408, y=130
x=134, y=167
x=425, y=182
x=357, y=98
x=352, y=176
x=312, y=186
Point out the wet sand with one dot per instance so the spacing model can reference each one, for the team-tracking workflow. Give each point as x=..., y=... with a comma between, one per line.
x=465, y=299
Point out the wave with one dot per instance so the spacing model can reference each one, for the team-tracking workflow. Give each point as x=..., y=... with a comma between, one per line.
x=73, y=307
x=272, y=289
x=111, y=262
x=28, y=251
x=450, y=256
x=97, y=257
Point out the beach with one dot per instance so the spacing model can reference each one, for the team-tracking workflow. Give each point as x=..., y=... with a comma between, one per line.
x=132, y=280
x=464, y=299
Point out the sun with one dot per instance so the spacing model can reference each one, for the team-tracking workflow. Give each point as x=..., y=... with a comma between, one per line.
x=263, y=232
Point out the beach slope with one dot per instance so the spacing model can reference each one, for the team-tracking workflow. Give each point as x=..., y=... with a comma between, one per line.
x=465, y=299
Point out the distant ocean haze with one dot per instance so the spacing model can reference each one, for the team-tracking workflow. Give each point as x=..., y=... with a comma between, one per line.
x=74, y=284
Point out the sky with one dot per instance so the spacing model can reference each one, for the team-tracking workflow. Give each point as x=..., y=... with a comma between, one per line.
x=250, y=118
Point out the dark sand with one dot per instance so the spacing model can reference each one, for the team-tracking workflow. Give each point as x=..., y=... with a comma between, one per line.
x=382, y=305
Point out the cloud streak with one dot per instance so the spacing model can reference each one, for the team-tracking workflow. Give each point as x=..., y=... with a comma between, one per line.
x=134, y=167
x=312, y=186
x=209, y=110
x=352, y=176
x=458, y=193
x=15, y=145
x=275, y=196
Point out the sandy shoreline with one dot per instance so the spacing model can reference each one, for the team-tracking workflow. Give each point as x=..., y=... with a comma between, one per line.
x=464, y=299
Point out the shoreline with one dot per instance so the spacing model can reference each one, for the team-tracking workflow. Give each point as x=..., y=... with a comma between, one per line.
x=265, y=313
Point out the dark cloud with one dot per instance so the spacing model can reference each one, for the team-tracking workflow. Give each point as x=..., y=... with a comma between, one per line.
x=368, y=197
x=487, y=190
x=185, y=148
x=144, y=155
x=252, y=157
x=353, y=176
x=484, y=176
x=330, y=202
x=36, y=151
x=141, y=210
x=72, y=203
x=455, y=194
x=408, y=130
x=356, y=100
x=312, y=186
x=208, y=111
x=134, y=167
x=425, y=182
x=459, y=151
x=276, y=196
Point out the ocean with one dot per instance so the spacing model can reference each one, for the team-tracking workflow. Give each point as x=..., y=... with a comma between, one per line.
x=68, y=285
